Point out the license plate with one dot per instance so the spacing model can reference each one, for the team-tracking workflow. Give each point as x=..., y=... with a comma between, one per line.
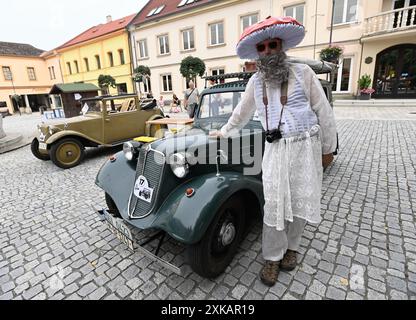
x=42, y=146
x=120, y=230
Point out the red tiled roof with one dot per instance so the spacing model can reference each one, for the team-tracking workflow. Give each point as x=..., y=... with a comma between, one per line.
x=98, y=31
x=19, y=49
x=171, y=6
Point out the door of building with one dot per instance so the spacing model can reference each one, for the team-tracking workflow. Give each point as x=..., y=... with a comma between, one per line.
x=395, y=73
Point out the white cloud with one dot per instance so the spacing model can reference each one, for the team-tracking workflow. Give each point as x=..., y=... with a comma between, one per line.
x=47, y=24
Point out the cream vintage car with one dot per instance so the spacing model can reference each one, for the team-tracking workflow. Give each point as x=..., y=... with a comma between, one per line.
x=105, y=121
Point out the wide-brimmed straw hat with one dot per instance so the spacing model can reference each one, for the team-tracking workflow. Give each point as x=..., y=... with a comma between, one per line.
x=286, y=28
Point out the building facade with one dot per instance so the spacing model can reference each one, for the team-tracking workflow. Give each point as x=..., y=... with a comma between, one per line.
x=378, y=38
x=100, y=50
x=28, y=73
x=177, y=29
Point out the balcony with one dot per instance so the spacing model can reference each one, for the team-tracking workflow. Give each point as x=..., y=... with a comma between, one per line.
x=392, y=21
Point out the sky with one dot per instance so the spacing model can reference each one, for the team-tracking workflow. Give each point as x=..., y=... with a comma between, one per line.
x=46, y=24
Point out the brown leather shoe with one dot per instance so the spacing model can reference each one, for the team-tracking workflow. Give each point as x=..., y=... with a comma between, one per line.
x=270, y=272
x=289, y=261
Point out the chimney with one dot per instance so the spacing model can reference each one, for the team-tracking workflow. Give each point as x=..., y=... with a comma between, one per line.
x=109, y=18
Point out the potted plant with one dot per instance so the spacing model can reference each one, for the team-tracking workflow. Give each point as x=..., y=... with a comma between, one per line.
x=364, y=84
x=140, y=74
x=191, y=67
x=331, y=53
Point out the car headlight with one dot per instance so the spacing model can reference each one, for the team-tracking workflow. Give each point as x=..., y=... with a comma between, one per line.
x=130, y=150
x=179, y=165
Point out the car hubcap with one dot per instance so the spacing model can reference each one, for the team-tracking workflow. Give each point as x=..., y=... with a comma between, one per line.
x=227, y=234
x=69, y=153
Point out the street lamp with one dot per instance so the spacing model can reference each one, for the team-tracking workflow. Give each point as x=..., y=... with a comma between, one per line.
x=316, y=26
x=332, y=22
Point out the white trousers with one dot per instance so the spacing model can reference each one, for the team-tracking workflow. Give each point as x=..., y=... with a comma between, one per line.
x=276, y=243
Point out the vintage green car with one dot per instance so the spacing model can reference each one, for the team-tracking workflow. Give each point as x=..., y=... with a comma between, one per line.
x=105, y=121
x=194, y=188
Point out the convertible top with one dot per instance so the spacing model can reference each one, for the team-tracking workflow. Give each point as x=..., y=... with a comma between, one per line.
x=318, y=66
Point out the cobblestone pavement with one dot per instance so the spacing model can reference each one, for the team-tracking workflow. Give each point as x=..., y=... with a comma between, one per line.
x=24, y=124
x=53, y=247
x=376, y=113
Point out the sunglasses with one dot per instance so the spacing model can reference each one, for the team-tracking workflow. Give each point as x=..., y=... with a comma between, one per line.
x=272, y=45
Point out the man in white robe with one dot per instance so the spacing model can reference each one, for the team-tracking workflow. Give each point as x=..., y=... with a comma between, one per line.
x=293, y=160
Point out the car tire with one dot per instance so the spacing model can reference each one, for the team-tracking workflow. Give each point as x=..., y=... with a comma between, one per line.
x=211, y=256
x=112, y=208
x=34, y=147
x=67, y=153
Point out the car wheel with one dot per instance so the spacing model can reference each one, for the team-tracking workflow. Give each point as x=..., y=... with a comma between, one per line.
x=35, y=150
x=211, y=256
x=67, y=153
x=112, y=208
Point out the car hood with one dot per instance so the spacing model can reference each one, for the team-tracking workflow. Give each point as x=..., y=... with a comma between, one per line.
x=183, y=141
x=194, y=138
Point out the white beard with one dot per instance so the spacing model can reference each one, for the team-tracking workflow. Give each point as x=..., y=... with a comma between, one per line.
x=274, y=69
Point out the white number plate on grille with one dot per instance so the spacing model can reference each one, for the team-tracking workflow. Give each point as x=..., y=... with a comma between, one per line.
x=142, y=189
x=42, y=146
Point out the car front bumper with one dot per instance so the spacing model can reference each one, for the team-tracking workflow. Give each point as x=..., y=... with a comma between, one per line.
x=122, y=231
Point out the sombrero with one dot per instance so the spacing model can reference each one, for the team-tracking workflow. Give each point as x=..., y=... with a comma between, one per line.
x=286, y=28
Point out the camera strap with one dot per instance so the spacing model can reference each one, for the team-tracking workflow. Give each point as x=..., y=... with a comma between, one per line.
x=283, y=101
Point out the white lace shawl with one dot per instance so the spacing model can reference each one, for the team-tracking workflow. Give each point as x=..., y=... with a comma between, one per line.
x=314, y=93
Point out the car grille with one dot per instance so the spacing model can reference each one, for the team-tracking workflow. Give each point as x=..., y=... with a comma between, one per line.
x=151, y=165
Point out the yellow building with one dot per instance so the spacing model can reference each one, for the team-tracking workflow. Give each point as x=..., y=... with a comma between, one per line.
x=29, y=73
x=100, y=50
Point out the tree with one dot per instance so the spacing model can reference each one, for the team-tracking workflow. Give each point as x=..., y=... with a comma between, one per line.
x=140, y=73
x=192, y=67
x=106, y=81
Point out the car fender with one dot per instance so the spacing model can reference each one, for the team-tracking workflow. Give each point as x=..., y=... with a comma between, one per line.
x=117, y=177
x=187, y=218
x=68, y=133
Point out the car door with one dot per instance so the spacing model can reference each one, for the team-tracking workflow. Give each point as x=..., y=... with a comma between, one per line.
x=122, y=125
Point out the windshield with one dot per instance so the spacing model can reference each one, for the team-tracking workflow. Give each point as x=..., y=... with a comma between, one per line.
x=89, y=107
x=122, y=104
x=220, y=104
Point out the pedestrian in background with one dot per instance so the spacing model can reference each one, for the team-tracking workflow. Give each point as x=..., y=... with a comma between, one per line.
x=191, y=99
